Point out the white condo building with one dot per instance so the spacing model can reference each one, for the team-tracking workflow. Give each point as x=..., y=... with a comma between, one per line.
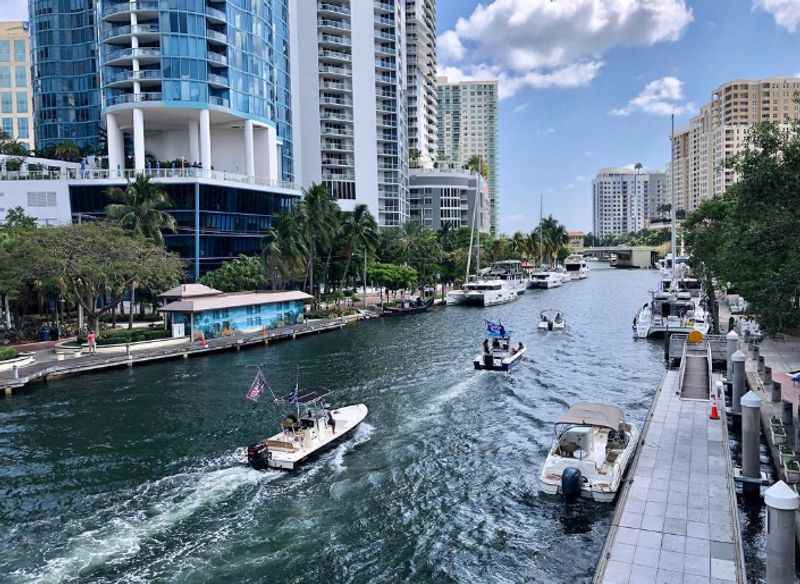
x=624, y=198
x=421, y=80
x=349, y=102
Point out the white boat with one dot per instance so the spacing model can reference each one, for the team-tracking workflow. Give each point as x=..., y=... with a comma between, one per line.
x=455, y=297
x=498, y=354
x=313, y=428
x=670, y=312
x=592, y=448
x=545, y=279
x=489, y=292
x=562, y=273
x=512, y=272
x=576, y=267
x=551, y=320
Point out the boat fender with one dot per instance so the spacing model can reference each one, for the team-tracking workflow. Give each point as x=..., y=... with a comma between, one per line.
x=571, y=483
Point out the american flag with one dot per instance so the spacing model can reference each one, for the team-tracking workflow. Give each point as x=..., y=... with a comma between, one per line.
x=257, y=388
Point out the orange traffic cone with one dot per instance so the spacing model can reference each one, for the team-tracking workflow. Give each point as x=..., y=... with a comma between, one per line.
x=714, y=413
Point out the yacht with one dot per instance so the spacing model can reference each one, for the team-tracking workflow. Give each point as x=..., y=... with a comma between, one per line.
x=545, y=278
x=670, y=312
x=576, y=267
x=510, y=271
x=489, y=292
x=592, y=448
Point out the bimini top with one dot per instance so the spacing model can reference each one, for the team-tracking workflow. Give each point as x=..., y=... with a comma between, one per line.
x=590, y=414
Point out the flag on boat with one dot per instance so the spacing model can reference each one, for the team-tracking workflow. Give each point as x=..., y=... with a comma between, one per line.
x=495, y=329
x=257, y=387
x=295, y=397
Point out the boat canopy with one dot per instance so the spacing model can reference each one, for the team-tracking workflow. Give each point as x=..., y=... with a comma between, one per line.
x=591, y=414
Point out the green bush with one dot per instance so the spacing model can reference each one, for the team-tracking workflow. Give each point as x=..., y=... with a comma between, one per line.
x=122, y=336
x=7, y=353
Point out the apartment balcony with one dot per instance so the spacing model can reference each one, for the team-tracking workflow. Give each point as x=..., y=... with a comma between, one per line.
x=336, y=70
x=126, y=78
x=336, y=86
x=381, y=20
x=334, y=40
x=215, y=15
x=218, y=101
x=126, y=98
x=126, y=55
x=386, y=123
x=217, y=60
x=385, y=36
x=335, y=56
x=120, y=11
x=388, y=64
x=344, y=176
x=384, y=78
x=217, y=80
x=336, y=116
x=326, y=8
x=216, y=37
x=338, y=162
x=335, y=101
x=336, y=146
x=385, y=50
x=328, y=130
x=333, y=25
x=386, y=109
x=384, y=6
x=124, y=33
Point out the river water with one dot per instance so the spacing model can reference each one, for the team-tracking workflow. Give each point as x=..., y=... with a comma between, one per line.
x=135, y=475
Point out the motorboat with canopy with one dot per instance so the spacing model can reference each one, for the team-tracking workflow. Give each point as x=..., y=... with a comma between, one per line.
x=498, y=354
x=551, y=319
x=312, y=427
x=592, y=448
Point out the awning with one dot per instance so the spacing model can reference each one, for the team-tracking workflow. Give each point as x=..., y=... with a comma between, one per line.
x=590, y=414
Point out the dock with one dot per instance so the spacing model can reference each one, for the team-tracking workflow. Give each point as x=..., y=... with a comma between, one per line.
x=676, y=515
x=44, y=371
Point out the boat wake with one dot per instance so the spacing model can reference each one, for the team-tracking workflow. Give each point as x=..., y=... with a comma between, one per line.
x=117, y=534
x=361, y=435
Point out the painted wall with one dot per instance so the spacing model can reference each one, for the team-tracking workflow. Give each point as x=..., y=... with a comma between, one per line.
x=47, y=200
x=247, y=319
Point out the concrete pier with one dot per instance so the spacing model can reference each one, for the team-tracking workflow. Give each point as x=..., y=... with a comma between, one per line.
x=675, y=519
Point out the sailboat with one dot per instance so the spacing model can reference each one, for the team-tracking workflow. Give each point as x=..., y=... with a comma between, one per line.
x=460, y=296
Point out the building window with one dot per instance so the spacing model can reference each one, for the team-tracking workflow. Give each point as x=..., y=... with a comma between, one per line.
x=5, y=76
x=21, y=76
x=8, y=126
x=23, y=132
x=6, y=104
x=22, y=102
x=19, y=50
x=42, y=199
x=5, y=51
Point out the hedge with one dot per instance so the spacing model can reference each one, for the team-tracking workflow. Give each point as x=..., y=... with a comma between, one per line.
x=7, y=353
x=130, y=336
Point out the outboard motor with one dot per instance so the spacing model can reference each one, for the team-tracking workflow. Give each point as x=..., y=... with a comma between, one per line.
x=571, y=483
x=549, y=325
x=255, y=457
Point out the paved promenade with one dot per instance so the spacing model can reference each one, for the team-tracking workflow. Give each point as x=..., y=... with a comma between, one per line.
x=676, y=519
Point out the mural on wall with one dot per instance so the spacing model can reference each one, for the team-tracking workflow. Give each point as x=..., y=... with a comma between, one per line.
x=246, y=319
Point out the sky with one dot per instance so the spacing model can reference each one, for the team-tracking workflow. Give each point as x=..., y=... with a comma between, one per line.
x=587, y=84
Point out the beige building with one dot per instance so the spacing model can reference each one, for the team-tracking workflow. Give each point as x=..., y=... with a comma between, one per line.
x=701, y=152
x=16, y=95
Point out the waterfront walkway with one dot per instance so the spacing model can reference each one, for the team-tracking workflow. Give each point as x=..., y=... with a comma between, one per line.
x=44, y=369
x=675, y=520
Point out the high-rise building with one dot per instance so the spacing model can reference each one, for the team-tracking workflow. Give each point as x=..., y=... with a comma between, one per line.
x=195, y=94
x=701, y=152
x=66, y=90
x=467, y=127
x=350, y=102
x=622, y=199
x=449, y=197
x=421, y=81
x=16, y=107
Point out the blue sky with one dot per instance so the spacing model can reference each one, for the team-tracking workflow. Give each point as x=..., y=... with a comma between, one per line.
x=566, y=66
x=557, y=129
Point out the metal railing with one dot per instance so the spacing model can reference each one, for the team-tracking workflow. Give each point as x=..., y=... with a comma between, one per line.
x=217, y=58
x=131, y=53
x=141, y=75
x=216, y=35
x=130, y=7
x=127, y=29
x=215, y=13
x=218, y=79
x=133, y=98
x=334, y=8
x=217, y=100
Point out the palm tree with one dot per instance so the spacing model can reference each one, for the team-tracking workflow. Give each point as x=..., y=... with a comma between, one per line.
x=359, y=230
x=139, y=208
x=554, y=236
x=285, y=251
x=477, y=164
x=518, y=245
x=319, y=216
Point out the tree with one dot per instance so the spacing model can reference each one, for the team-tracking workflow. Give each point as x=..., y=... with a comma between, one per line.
x=17, y=223
x=392, y=276
x=477, y=164
x=319, y=216
x=18, y=220
x=139, y=208
x=12, y=147
x=285, y=250
x=92, y=264
x=240, y=274
x=359, y=230
x=423, y=252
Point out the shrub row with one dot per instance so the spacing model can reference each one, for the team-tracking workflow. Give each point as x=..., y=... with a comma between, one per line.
x=7, y=353
x=130, y=336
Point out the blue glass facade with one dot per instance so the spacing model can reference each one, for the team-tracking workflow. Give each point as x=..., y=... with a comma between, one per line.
x=66, y=85
x=229, y=221
x=248, y=319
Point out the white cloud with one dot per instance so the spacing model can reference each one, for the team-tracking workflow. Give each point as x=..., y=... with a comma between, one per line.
x=785, y=12
x=521, y=107
x=546, y=131
x=661, y=97
x=544, y=43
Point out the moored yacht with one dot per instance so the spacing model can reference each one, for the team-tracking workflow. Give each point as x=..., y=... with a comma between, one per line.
x=489, y=292
x=510, y=271
x=545, y=278
x=576, y=267
x=592, y=448
x=670, y=312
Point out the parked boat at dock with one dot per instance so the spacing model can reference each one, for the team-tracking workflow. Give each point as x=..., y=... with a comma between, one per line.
x=671, y=312
x=576, y=267
x=592, y=448
x=545, y=279
x=409, y=307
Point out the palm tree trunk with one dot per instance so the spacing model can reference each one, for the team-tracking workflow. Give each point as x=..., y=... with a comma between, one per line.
x=346, y=268
x=130, y=308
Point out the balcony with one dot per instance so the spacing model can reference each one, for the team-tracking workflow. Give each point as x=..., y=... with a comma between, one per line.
x=324, y=23
x=218, y=80
x=336, y=116
x=327, y=130
x=334, y=70
x=384, y=50
x=215, y=14
x=122, y=56
x=384, y=6
x=389, y=64
x=122, y=78
x=217, y=37
x=218, y=101
x=335, y=101
x=341, y=162
x=385, y=36
x=331, y=39
x=329, y=8
x=133, y=98
x=384, y=21
x=332, y=146
x=334, y=86
x=383, y=78
x=338, y=176
x=120, y=9
x=125, y=32
x=328, y=54
x=217, y=60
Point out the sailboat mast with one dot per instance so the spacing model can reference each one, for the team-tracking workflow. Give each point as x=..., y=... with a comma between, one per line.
x=471, y=236
x=541, y=231
x=673, y=210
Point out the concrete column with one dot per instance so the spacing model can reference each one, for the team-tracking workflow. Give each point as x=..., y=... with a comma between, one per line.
x=751, y=430
x=738, y=381
x=782, y=503
x=249, y=149
x=205, y=139
x=138, y=139
x=194, y=141
x=272, y=154
x=733, y=345
x=116, y=146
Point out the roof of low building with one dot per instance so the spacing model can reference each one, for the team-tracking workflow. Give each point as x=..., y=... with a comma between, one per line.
x=575, y=232
x=234, y=300
x=189, y=291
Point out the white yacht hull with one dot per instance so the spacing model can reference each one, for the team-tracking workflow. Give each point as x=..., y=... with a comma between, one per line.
x=455, y=297
x=490, y=297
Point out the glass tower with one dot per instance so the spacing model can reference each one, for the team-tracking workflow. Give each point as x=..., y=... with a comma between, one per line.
x=64, y=66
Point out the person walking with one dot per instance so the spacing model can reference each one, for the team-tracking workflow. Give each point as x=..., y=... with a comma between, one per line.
x=91, y=339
